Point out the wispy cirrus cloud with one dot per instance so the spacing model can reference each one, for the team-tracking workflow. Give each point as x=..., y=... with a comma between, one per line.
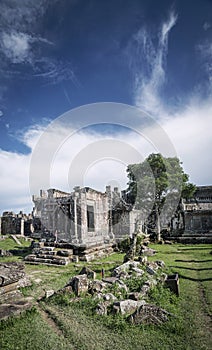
x=188, y=125
x=205, y=50
x=148, y=52
x=21, y=43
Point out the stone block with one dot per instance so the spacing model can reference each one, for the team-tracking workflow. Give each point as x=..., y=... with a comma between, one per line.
x=90, y=273
x=80, y=284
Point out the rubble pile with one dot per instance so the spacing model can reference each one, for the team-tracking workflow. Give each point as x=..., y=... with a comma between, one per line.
x=12, y=277
x=117, y=294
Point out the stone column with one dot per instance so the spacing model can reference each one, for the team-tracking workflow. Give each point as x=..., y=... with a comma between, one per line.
x=110, y=212
x=22, y=227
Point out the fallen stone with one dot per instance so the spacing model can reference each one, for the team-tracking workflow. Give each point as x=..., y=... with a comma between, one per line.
x=160, y=263
x=149, y=314
x=110, y=280
x=10, y=273
x=147, y=251
x=139, y=272
x=150, y=270
x=101, y=309
x=134, y=295
x=109, y=297
x=90, y=273
x=125, y=268
x=49, y=293
x=127, y=306
x=97, y=286
x=15, y=308
x=5, y=252
x=80, y=284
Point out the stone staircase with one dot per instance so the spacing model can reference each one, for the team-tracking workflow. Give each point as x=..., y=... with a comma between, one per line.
x=49, y=255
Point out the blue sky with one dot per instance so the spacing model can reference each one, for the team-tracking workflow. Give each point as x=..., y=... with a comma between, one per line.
x=60, y=55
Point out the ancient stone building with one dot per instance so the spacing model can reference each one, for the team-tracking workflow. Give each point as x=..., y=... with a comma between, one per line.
x=198, y=212
x=83, y=217
x=18, y=224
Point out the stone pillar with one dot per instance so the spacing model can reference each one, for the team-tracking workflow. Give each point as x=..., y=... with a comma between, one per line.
x=75, y=231
x=22, y=227
x=110, y=212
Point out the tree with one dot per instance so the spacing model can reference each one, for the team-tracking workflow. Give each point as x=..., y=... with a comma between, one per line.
x=156, y=186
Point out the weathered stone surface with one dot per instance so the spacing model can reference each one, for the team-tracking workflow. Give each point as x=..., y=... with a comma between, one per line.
x=109, y=297
x=160, y=263
x=66, y=253
x=139, y=272
x=10, y=273
x=125, y=268
x=15, y=308
x=79, y=284
x=5, y=252
x=24, y=282
x=49, y=293
x=135, y=295
x=90, y=273
x=150, y=270
x=149, y=314
x=101, y=309
x=97, y=286
x=127, y=306
x=110, y=280
x=147, y=251
x=172, y=282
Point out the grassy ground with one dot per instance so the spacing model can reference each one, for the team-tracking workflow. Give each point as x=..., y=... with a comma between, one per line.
x=69, y=325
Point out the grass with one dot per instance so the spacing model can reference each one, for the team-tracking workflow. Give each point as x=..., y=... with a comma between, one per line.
x=73, y=325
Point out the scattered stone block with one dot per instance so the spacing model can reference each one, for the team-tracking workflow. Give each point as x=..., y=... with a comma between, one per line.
x=49, y=293
x=172, y=282
x=149, y=314
x=80, y=284
x=101, y=309
x=97, y=286
x=150, y=270
x=90, y=273
x=125, y=268
x=127, y=306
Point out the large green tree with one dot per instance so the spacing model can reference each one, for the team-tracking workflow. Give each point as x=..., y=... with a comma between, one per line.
x=156, y=186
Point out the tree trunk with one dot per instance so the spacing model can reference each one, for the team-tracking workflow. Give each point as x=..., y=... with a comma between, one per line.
x=158, y=228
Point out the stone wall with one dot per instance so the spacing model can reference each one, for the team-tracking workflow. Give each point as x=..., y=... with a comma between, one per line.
x=198, y=221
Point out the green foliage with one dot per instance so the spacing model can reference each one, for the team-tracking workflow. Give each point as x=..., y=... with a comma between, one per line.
x=62, y=299
x=79, y=328
x=124, y=244
x=163, y=297
x=154, y=181
x=135, y=284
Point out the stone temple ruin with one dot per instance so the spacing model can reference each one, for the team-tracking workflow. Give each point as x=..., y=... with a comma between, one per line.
x=91, y=222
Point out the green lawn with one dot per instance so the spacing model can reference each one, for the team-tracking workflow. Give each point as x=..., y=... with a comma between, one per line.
x=74, y=326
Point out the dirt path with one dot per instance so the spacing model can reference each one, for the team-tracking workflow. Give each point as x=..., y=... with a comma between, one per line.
x=47, y=318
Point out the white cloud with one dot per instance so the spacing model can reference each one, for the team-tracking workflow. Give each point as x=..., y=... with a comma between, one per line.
x=94, y=159
x=188, y=127
x=206, y=26
x=205, y=50
x=190, y=132
x=18, y=20
x=16, y=46
x=148, y=64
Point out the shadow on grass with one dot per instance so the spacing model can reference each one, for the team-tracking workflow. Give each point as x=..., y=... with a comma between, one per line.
x=194, y=279
x=194, y=248
x=195, y=261
x=193, y=268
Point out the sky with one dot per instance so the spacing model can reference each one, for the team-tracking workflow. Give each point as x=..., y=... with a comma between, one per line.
x=60, y=57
